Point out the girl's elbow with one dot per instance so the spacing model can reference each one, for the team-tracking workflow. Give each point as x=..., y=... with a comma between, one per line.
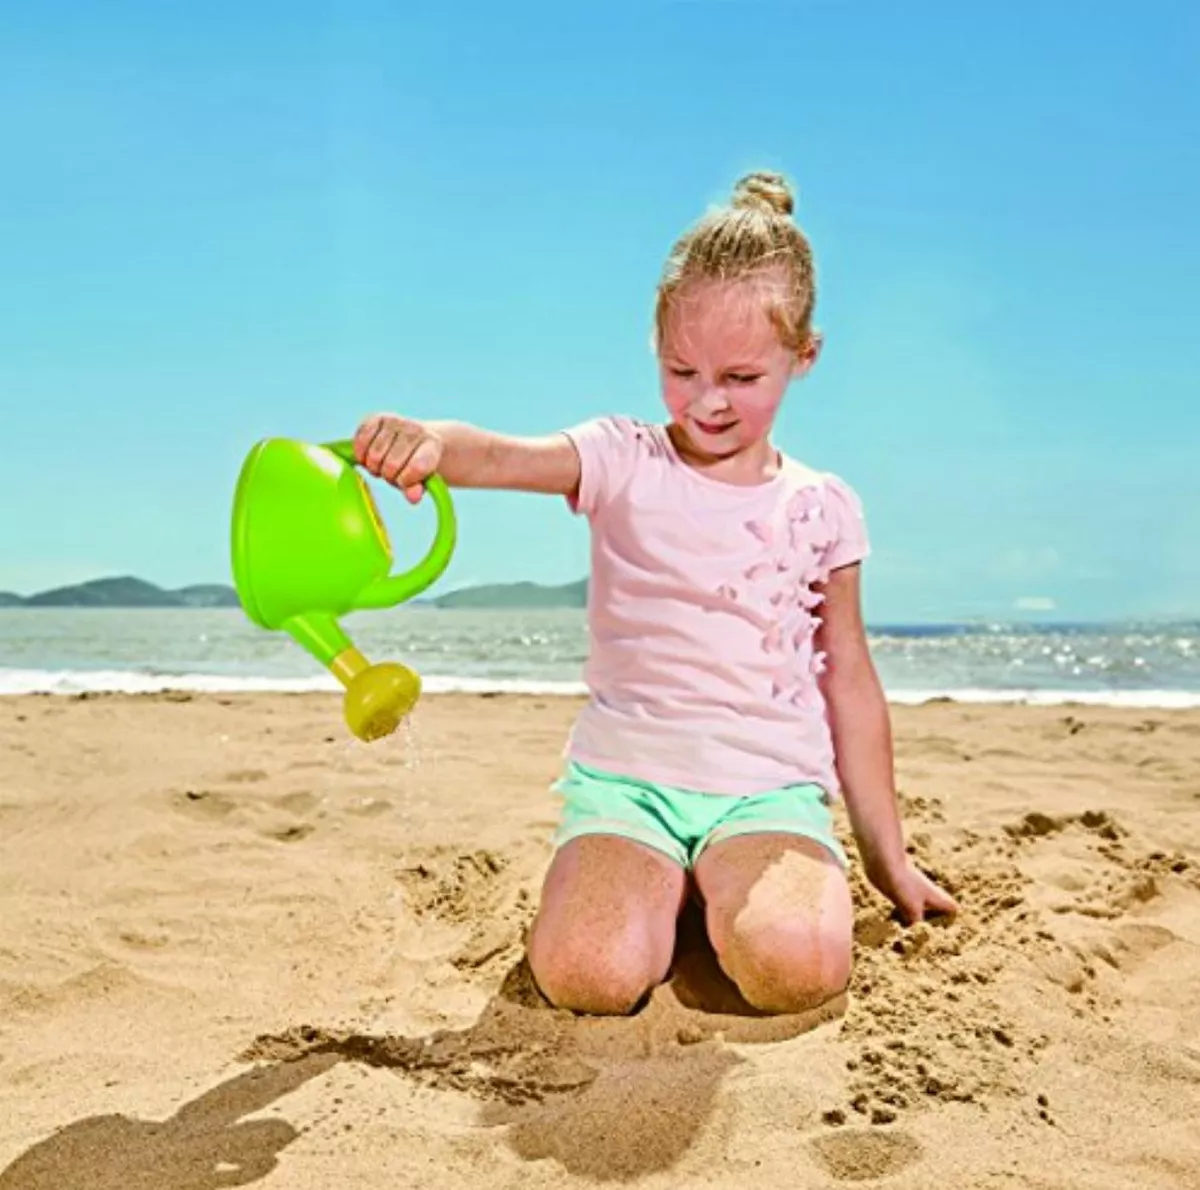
x=852, y=669
x=853, y=683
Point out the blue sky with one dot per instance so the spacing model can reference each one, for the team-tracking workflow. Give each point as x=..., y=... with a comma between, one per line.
x=222, y=222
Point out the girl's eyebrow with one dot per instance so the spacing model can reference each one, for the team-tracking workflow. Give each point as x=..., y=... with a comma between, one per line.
x=673, y=357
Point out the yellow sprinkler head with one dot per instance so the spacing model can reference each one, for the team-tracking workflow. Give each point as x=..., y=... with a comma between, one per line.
x=379, y=697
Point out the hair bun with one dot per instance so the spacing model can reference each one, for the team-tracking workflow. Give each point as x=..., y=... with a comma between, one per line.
x=765, y=191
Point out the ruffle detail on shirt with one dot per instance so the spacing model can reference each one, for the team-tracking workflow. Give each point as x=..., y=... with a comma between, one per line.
x=780, y=587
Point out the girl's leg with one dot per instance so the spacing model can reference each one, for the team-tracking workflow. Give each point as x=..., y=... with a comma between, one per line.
x=604, y=933
x=779, y=918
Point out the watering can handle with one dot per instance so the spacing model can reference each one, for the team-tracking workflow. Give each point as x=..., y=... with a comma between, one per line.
x=396, y=588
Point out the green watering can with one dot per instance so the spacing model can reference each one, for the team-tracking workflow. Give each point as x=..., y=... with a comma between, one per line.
x=309, y=547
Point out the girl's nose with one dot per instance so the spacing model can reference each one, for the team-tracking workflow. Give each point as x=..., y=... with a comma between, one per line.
x=713, y=400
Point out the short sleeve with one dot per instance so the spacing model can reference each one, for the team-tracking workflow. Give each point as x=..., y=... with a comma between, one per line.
x=607, y=447
x=844, y=512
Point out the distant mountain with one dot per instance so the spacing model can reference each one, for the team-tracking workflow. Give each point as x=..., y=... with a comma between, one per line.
x=516, y=595
x=107, y=592
x=126, y=592
x=129, y=592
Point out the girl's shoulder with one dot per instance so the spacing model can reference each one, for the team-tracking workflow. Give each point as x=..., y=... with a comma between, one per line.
x=840, y=511
x=801, y=475
x=617, y=432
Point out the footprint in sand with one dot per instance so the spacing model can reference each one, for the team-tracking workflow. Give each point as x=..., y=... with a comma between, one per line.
x=1129, y=945
x=863, y=1155
x=290, y=834
x=215, y=807
x=297, y=803
x=142, y=940
x=245, y=776
x=205, y=804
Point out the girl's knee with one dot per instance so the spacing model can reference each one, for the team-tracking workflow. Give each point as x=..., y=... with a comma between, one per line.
x=788, y=966
x=605, y=929
x=592, y=979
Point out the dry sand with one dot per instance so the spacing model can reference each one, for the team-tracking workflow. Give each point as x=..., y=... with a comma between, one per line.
x=237, y=948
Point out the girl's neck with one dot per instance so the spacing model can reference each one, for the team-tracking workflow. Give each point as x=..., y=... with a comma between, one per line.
x=757, y=463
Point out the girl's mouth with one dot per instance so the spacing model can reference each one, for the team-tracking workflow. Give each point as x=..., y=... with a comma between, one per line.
x=708, y=427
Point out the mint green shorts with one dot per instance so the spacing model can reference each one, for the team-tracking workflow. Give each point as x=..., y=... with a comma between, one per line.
x=681, y=823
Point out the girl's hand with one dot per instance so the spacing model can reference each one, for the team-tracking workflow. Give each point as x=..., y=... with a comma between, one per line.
x=399, y=450
x=914, y=893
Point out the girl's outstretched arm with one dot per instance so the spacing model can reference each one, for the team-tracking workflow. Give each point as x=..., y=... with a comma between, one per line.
x=862, y=742
x=406, y=452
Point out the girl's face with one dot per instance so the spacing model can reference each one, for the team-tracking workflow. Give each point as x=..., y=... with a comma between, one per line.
x=724, y=370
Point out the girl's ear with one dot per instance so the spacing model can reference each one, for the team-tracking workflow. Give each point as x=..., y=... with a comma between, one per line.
x=809, y=356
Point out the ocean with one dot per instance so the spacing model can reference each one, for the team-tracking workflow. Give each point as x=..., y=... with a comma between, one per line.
x=75, y=650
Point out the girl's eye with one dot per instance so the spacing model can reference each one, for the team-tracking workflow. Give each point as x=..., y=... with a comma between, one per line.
x=683, y=373
x=741, y=378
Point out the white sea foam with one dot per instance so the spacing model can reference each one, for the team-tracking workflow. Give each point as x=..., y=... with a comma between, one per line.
x=1160, y=699
x=77, y=681
x=111, y=681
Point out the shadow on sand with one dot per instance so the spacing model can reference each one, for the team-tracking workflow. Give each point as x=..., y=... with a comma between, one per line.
x=610, y=1099
x=205, y=1145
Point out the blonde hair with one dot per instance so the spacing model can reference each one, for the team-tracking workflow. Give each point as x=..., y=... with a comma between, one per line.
x=753, y=238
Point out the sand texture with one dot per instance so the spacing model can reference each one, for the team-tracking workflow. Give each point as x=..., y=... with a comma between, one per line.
x=237, y=948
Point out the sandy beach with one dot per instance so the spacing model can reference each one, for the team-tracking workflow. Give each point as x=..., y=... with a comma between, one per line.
x=238, y=948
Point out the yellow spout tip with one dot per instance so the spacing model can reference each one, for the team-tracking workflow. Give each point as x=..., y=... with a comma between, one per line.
x=378, y=698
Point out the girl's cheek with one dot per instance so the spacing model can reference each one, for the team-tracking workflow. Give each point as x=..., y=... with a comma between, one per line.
x=758, y=415
x=676, y=400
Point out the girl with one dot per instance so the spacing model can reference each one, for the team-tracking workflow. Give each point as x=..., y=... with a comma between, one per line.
x=732, y=694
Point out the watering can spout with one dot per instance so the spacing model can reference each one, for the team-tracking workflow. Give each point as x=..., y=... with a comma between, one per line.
x=377, y=697
x=309, y=547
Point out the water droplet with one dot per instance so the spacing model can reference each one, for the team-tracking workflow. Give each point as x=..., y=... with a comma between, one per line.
x=410, y=744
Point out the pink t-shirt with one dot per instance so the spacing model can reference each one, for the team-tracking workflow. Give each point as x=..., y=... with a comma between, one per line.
x=701, y=670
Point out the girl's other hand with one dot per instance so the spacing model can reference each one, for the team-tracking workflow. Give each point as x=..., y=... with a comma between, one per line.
x=914, y=894
x=399, y=450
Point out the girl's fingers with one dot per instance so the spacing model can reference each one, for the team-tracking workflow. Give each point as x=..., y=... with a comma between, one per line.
x=399, y=458
x=399, y=452
x=938, y=899
x=362, y=439
x=421, y=464
x=378, y=448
